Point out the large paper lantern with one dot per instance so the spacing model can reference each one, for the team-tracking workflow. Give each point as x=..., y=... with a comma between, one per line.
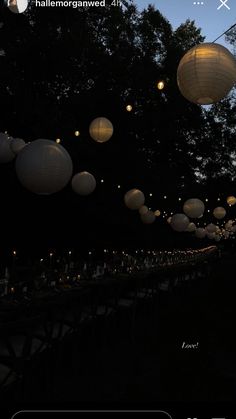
x=101, y=130
x=134, y=199
x=6, y=154
x=179, y=222
x=148, y=218
x=83, y=183
x=211, y=228
x=206, y=73
x=44, y=167
x=194, y=208
x=16, y=145
x=191, y=228
x=219, y=213
x=142, y=210
x=231, y=200
x=200, y=233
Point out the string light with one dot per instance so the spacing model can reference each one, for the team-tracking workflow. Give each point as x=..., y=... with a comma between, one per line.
x=165, y=197
x=58, y=140
x=129, y=108
x=102, y=180
x=206, y=200
x=180, y=199
x=160, y=85
x=14, y=252
x=118, y=186
x=77, y=133
x=150, y=194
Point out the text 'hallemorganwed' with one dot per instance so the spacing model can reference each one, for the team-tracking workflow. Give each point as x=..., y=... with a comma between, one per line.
x=75, y=3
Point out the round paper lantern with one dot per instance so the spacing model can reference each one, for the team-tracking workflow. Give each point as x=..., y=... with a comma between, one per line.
x=148, y=218
x=219, y=213
x=226, y=234
x=134, y=199
x=206, y=73
x=44, y=167
x=143, y=210
x=169, y=220
x=200, y=233
x=228, y=225
x=194, y=208
x=211, y=228
x=231, y=200
x=233, y=229
x=191, y=228
x=157, y=213
x=101, y=130
x=179, y=222
x=83, y=183
x=6, y=154
x=211, y=236
x=16, y=145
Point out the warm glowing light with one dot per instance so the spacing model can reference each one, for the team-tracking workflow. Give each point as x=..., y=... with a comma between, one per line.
x=41, y=260
x=14, y=252
x=102, y=180
x=160, y=85
x=118, y=186
x=70, y=252
x=58, y=140
x=180, y=199
x=157, y=213
x=206, y=199
x=150, y=194
x=165, y=197
x=129, y=108
x=77, y=133
x=231, y=200
x=50, y=254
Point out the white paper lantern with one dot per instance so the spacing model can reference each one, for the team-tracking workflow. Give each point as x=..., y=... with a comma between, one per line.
x=211, y=228
x=16, y=145
x=134, y=199
x=83, y=183
x=231, y=200
x=219, y=213
x=179, y=222
x=101, y=130
x=200, y=233
x=191, y=228
x=44, y=167
x=6, y=154
x=206, y=73
x=143, y=210
x=194, y=208
x=148, y=218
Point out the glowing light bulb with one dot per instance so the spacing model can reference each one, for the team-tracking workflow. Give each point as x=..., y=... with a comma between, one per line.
x=129, y=108
x=58, y=140
x=77, y=133
x=160, y=85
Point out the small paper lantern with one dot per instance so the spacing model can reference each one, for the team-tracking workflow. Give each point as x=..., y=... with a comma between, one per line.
x=228, y=225
x=179, y=222
x=206, y=73
x=200, y=233
x=157, y=213
x=148, y=217
x=169, y=220
x=143, y=210
x=160, y=85
x=211, y=228
x=194, y=208
x=231, y=200
x=134, y=199
x=16, y=145
x=191, y=228
x=44, y=167
x=233, y=229
x=83, y=183
x=101, y=130
x=129, y=108
x=6, y=154
x=219, y=213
